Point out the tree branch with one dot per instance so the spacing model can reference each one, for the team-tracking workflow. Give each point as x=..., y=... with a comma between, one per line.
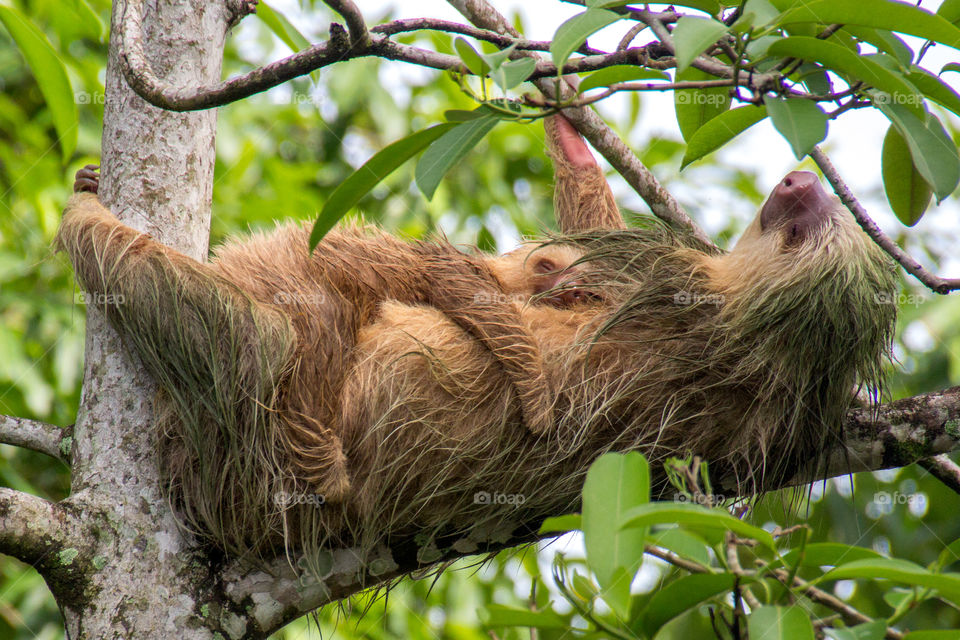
x=144, y=81
x=44, y=535
x=37, y=436
x=891, y=435
x=936, y=284
x=594, y=129
x=899, y=433
x=943, y=469
x=359, y=36
x=405, y=25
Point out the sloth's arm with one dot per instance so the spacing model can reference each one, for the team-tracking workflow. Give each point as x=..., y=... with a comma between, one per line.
x=220, y=356
x=494, y=319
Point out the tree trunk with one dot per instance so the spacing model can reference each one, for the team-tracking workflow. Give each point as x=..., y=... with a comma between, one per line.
x=158, y=177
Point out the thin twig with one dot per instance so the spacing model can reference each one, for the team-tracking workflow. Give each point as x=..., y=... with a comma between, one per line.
x=733, y=561
x=850, y=615
x=356, y=25
x=37, y=436
x=406, y=25
x=630, y=35
x=943, y=469
x=936, y=284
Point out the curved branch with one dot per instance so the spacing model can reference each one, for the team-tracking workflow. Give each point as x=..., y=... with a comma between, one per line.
x=42, y=534
x=37, y=436
x=943, y=469
x=936, y=284
x=357, y=26
x=406, y=25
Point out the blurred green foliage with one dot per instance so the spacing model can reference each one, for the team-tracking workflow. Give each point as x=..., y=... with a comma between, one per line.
x=279, y=155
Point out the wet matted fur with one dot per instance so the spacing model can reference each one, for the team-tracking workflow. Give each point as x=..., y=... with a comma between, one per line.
x=749, y=359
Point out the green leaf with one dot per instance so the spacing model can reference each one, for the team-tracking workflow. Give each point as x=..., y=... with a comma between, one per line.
x=947, y=584
x=620, y=73
x=818, y=554
x=935, y=89
x=497, y=58
x=50, y=74
x=615, y=484
x=680, y=595
x=470, y=58
x=720, y=130
x=90, y=18
x=696, y=107
x=709, y=6
x=584, y=587
x=683, y=543
x=447, y=150
x=950, y=11
x=281, y=27
x=801, y=122
x=575, y=31
x=464, y=115
x=498, y=615
x=361, y=181
x=815, y=77
x=509, y=75
x=756, y=13
x=907, y=192
x=561, y=523
x=875, y=630
x=885, y=41
x=693, y=516
x=880, y=14
x=948, y=556
x=950, y=66
x=780, y=623
x=692, y=36
x=933, y=152
x=838, y=57
x=931, y=635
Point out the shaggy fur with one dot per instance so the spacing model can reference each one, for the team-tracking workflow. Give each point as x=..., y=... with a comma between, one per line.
x=749, y=359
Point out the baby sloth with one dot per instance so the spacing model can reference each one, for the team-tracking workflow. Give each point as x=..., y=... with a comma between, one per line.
x=329, y=295
x=551, y=273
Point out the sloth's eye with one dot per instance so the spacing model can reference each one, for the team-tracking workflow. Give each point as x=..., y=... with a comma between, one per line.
x=544, y=266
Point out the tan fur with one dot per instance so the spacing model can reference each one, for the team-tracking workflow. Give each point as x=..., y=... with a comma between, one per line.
x=409, y=359
x=330, y=294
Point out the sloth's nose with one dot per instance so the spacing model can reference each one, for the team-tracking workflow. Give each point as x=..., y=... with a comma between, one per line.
x=798, y=201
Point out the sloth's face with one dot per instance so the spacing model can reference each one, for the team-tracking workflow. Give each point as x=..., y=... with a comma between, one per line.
x=797, y=208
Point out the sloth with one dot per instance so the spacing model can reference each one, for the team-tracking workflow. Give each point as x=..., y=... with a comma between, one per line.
x=748, y=358
x=329, y=294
